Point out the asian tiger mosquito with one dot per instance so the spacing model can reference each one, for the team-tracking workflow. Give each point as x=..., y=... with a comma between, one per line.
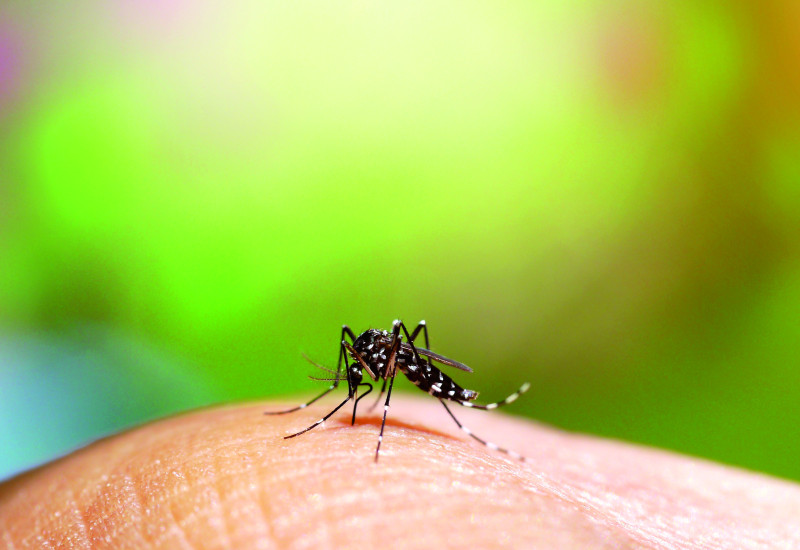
x=382, y=354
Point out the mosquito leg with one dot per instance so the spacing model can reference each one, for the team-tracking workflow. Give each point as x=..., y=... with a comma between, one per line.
x=320, y=421
x=354, y=396
x=510, y=399
x=304, y=405
x=399, y=325
x=342, y=355
x=385, y=411
x=347, y=330
x=378, y=400
x=423, y=326
x=359, y=398
x=494, y=447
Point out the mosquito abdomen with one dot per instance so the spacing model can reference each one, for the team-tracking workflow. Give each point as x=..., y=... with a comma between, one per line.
x=432, y=380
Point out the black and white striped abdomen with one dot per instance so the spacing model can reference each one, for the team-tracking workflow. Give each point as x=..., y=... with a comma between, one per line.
x=435, y=382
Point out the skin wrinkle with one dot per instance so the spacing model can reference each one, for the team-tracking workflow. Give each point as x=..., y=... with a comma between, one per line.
x=7, y=539
x=611, y=519
x=82, y=522
x=152, y=495
x=176, y=532
x=267, y=540
x=232, y=502
x=598, y=506
x=171, y=479
x=244, y=505
x=323, y=487
x=175, y=475
x=116, y=492
x=215, y=501
x=671, y=529
x=235, y=446
x=354, y=494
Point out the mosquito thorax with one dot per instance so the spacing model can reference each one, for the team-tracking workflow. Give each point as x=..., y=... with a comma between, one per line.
x=372, y=344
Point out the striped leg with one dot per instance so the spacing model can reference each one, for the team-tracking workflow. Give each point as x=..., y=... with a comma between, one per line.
x=423, y=326
x=378, y=400
x=342, y=355
x=510, y=399
x=304, y=405
x=494, y=447
x=320, y=421
x=385, y=411
x=398, y=325
x=391, y=371
x=359, y=398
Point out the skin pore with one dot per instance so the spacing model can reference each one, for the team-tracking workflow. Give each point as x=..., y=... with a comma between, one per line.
x=226, y=478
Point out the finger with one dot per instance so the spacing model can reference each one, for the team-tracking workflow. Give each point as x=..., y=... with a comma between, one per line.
x=226, y=478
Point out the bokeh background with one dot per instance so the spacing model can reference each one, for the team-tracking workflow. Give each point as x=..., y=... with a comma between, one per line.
x=602, y=198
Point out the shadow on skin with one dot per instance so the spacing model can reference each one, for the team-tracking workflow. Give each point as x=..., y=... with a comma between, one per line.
x=391, y=424
x=226, y=478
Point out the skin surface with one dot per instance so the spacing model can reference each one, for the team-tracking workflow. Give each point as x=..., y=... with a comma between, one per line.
x=225, y=478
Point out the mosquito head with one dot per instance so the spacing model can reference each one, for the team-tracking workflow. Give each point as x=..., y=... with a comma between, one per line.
x=354, y=374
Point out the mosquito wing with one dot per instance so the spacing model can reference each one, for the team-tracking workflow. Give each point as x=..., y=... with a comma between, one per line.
x=438, y=358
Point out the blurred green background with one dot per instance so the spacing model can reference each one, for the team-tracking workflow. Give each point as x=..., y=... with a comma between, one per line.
x=602, y=198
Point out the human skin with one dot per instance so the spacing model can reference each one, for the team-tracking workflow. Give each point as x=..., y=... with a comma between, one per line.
x=226, y=478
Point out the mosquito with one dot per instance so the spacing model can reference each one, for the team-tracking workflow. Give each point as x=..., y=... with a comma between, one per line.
x=382, y=354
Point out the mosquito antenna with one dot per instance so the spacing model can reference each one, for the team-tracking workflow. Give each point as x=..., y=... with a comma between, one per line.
x=320, y=367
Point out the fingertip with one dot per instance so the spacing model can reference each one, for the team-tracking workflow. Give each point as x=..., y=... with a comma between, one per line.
x=228, y=477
